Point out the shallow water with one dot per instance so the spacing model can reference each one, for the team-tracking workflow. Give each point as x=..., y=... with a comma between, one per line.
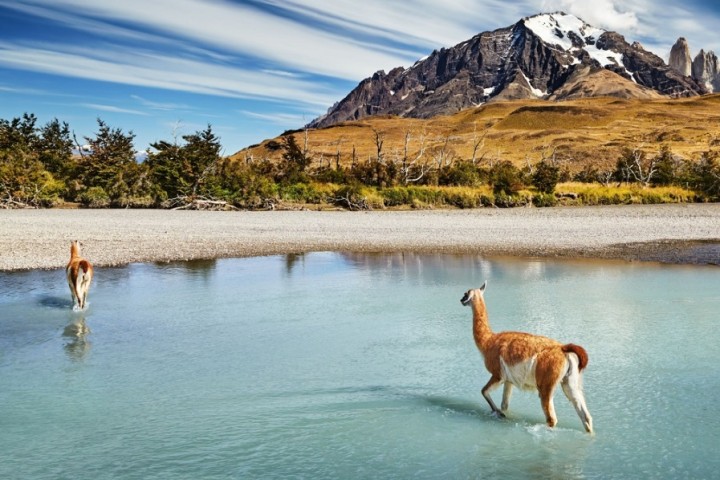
x=352, y=366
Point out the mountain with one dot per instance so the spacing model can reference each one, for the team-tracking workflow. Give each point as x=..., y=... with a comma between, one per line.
x=680, y=59
x=535, y=58
x=706, y=70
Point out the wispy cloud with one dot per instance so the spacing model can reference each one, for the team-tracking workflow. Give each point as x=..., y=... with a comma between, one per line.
x=111, y=108
x=152, y=69
x=235, y=28
x=237, y=49
x=24, y=91
x=282, y=119
x=164, y=106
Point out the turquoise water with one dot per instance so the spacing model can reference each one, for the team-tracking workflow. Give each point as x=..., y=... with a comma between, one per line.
x=332, y=366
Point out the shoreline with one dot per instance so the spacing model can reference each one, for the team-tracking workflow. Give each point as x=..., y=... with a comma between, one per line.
x=669, y=233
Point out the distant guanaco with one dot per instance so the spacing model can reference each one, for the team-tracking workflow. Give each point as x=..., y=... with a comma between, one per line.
x=528, y=361
x=79, y=274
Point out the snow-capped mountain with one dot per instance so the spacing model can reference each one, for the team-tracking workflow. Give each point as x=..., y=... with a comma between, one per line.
x=552, y=55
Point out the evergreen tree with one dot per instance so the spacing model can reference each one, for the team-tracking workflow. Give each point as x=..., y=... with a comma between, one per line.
x=55, y=148
x=202, y=153
x=666, y=167
x=184, y=170
x=111, y=156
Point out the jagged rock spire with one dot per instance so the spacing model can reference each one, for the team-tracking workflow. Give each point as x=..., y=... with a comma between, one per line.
x=680, y=59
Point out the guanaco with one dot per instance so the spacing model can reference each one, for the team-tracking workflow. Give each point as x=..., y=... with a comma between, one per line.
x=79, y=274
x=529, y=362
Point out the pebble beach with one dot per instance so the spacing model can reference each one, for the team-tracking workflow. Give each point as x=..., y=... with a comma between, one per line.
x=40, y=239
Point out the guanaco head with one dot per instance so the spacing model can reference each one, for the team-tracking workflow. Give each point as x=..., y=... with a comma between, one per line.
x=473, y=293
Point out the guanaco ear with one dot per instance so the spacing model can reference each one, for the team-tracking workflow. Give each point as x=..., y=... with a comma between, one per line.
x=482, y=288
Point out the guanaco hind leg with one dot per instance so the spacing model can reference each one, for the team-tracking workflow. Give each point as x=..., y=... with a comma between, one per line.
x=572, y=387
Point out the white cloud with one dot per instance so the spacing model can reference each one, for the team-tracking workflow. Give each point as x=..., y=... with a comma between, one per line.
x=166, y=106
x=111, y=108
x=239, y=28
x=283, y=119
x=601, y=13
x=156, y=70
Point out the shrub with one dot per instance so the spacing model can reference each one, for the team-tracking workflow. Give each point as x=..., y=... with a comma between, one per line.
x=545, y=177
x=504, y=200
x=544, y=200
x=462, y=173
x=95, y=197
x=505, y=178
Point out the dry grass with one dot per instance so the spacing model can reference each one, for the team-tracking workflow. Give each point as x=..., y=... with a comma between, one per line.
x=580, y=132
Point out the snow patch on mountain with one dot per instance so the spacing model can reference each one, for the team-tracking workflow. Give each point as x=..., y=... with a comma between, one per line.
x=560, y=28
x=555, y=29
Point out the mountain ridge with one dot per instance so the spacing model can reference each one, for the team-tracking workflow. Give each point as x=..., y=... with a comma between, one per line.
x=534, y=58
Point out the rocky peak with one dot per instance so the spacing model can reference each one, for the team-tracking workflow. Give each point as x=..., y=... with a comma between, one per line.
x=706, y=70
x=533, y=58
x=680, y=60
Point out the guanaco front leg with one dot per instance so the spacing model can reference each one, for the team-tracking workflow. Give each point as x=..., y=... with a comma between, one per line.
x=546, y=400
x=507, y=393
x=491, y=385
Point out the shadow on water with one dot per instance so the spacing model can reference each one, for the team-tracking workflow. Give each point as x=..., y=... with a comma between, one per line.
x=455, y=405
x=78, y=345
x=50, y=301
x=440, y=403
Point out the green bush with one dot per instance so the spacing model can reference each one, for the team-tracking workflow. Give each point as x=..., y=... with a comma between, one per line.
x=545, y=177
x=544, y=200
x=95, y=197
x=505, y=178
x=504, y=200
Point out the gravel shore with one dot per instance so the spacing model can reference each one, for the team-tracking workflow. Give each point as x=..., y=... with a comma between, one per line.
x=31, y=239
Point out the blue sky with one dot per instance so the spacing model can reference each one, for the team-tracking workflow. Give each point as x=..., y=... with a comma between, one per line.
x=254, y=68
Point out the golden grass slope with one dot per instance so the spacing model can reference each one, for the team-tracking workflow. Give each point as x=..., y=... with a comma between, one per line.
x=579, y=132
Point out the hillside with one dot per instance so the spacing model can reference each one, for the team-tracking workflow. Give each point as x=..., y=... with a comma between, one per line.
x=578, y=131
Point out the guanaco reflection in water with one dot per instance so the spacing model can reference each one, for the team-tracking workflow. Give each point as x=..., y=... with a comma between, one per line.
x=78, y=345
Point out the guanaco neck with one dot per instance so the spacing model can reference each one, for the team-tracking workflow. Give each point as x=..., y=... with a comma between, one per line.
x=481, y=327
x=74, y=250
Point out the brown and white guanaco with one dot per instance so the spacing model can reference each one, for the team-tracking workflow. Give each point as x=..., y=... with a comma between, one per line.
x=529, y=362
x=79, y=273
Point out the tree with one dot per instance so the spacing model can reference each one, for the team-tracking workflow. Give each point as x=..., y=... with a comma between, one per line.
x=19, y=133
x=706, y=175
x=295, y=162
x=546, y=176
x=635, y=166
x=412, y=169
x=202, y=153
x=184, y=170
x=666, y=167
x=505, y=178
x=55, y=148
x=111, y=155
x=24, y=180
x=165, y=162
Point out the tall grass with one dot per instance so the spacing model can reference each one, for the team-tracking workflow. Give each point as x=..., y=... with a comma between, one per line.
x=430, y=197
x=575, y=193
